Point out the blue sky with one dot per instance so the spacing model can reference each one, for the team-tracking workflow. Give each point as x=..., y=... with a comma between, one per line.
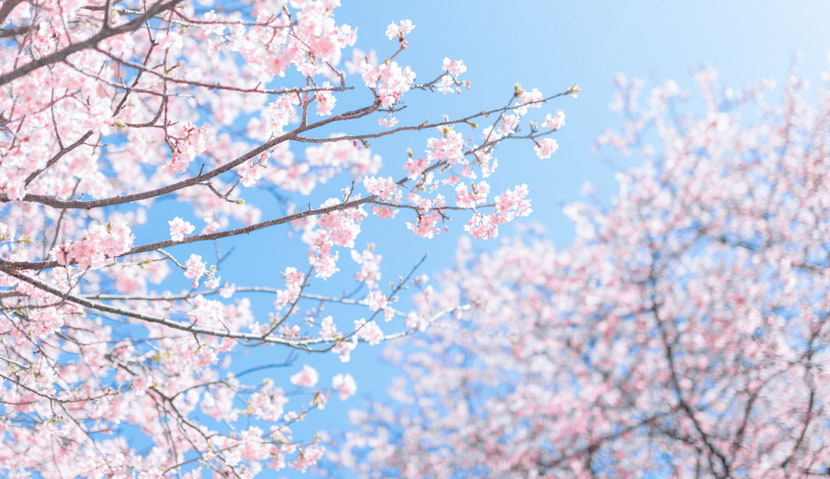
x=551, y=45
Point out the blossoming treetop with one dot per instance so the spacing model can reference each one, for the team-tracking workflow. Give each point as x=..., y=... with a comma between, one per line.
x=108, y=107
x=684, y=333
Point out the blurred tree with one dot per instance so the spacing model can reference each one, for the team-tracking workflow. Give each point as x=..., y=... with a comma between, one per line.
x=684, y=333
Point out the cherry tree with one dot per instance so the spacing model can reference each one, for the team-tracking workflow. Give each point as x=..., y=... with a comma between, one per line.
x=684, y=333
x=132, y=134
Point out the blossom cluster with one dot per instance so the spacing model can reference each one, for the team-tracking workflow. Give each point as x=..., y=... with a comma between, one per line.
x=141, y=147
x=683, y=332
x=99, y=243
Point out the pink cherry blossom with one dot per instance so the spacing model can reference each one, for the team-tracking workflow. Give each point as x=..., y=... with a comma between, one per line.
x=426, y=225
x=470, y=198
x=195, y=268
x=682, y=333
x=388, y=121
x=252, y=171
x=306, y=378
x=307, y=457
x=187, y=142
x=269, y=402
x=415, y=167
x=123, y=320
x=416, y=321
x=179, y=228
x=98, y=243
x=554, y=122
x=513, y=203
x=252, y=446
x=384, y=188
x=546, y=147
x=344, y=349
x=454, y=67
x=369, y=331
x=483, y=226
x=449, y=146
x=399, y=29
x=389, y=80
x=345, y=385
x=294, y=280
x=369, y=262
x=445, y=84
x=376, y=300
x=325, y=101
x=384, y=211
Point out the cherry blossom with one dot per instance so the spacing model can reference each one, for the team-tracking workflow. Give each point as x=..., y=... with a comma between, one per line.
x=400, y=29
x=390, y=81
x=142, y=143
x=369, y=263
x=179, y=228
x=554, y=122
x=305, y=378
x=345, y=385
x=195, y=268
x=454, y=67
x=384, y=188
x=546, y=147
x=683, y=333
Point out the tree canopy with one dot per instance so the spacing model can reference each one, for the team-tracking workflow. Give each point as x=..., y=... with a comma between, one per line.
x=137, y=138
x=683, y=333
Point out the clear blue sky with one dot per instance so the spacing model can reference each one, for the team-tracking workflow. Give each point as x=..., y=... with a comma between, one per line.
x=551, y=45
